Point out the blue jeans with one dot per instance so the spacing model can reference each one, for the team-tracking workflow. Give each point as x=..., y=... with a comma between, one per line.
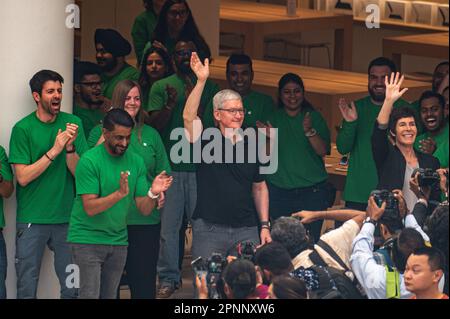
x=181, y=199
x=285, y=202
x=101, y=267
x=31, y=240
x=208, y=238
x=3, y=266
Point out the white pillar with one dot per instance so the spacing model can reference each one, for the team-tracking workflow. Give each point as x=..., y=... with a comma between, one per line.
x=34, y=36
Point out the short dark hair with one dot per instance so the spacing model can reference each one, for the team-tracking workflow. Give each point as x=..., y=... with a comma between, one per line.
x=287, y=287
x=436, y=258
x=401, y=113
x=439, y=65
x=392, y=222
x=83, y=68
x=274, y=257
x=382, y=61
x=117, y=117
x=430, y=94
x=290, y=233
x=38, y=80
x=240, y=276
x=239, y=59
x=408, y=241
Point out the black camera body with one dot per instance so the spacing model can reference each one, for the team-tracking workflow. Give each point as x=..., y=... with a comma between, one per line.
x=212, y=268
x=246, y=250
x=381, y=196
x=426, y=177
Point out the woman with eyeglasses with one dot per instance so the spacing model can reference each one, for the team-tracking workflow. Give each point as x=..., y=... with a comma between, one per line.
x=300, y=182
x=143, y=231
x=175, y=22
x=144, y=25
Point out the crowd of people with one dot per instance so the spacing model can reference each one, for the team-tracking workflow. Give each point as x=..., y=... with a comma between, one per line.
x=112, y=187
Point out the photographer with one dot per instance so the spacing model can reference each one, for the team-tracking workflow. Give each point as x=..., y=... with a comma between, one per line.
x=273, y=260
x=378, y=281
x=238, y=280
x=397, y=161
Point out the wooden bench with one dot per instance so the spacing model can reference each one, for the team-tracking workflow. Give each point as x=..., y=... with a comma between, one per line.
x=324, y=87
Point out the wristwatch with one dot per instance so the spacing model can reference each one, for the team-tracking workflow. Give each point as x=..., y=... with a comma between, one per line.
x=70, y=151
x=151, y=195
x=372, y=221
x=265, y=224
x=311, y=133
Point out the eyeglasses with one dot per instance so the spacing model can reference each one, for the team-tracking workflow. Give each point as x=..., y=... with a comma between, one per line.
x=92, y=85
x=174, y=13
x=234, y=112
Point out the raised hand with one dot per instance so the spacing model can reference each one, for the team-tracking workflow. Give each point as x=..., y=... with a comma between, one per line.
x=393, y=87
x=61, y=140
x=306, y=217
x=373, y=211
x=72, y=129
x=403, y=208
x=443, y=184
x=161, y=183
x=307, y=123
x=124, y=188
x=267, y=128
x=348, y=112
x=201, y=70
x=427, y=146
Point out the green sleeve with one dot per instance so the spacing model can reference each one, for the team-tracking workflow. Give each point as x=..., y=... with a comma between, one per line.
x=158, y=97
x=269, y=108
x=162, y=161
x=5, y=168
x=346, y=137
x=322, y=129
x=94, y=136
x=87, y=181
x=142, y=185
x=442, y=154
x=140, y=37
x=19, y=149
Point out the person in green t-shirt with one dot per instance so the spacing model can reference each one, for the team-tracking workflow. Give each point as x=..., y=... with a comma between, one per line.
x=111, y=181
x=143, y=232
x=157, y=66
x=433, y=120
x=354, y=136
x=176, y=22
x=45, y=147
x=111, y=49
x=258, y=106
x=167, y=117
x=6, y=190
x=300, y=183
x=144, y=25
x=89, y=103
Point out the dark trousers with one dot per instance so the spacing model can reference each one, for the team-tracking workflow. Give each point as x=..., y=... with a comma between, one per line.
x=285, y=202
x=143, y=251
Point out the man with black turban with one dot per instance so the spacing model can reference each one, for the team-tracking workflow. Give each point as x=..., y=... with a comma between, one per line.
x=112, y=48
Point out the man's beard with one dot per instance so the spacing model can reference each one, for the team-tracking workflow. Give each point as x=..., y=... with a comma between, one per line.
x=184, y=68
x=110, y=65
x=377, y=98
x=89, y=101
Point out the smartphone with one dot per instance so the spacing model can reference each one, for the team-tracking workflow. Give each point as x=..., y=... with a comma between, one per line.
x=344, y=161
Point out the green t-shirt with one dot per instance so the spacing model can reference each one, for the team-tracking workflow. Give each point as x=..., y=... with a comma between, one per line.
x=142, y=32
x=158, y=99
x=98, y=172
x=151, y=149
x=90, y=118
x=258, y=107
x=441, y=143
x=48, y=199
x=356, y=138
x=298, y=163
x=109, y=83
x=5, y=171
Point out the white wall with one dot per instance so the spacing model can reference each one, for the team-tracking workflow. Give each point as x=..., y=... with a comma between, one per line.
x=33, y=37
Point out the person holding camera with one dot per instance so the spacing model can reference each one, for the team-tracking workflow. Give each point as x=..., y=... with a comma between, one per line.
x=382, y=281
x=395, y=158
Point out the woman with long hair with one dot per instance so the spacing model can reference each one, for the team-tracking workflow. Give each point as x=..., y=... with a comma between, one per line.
x=156, y=65
x=300, y=183
x=177, y=22
x=143, y=232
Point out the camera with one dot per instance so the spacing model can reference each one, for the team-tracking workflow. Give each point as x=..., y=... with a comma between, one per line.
x=426, y=177
x=381, y=196
x=212, y=268
x=247, y=251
